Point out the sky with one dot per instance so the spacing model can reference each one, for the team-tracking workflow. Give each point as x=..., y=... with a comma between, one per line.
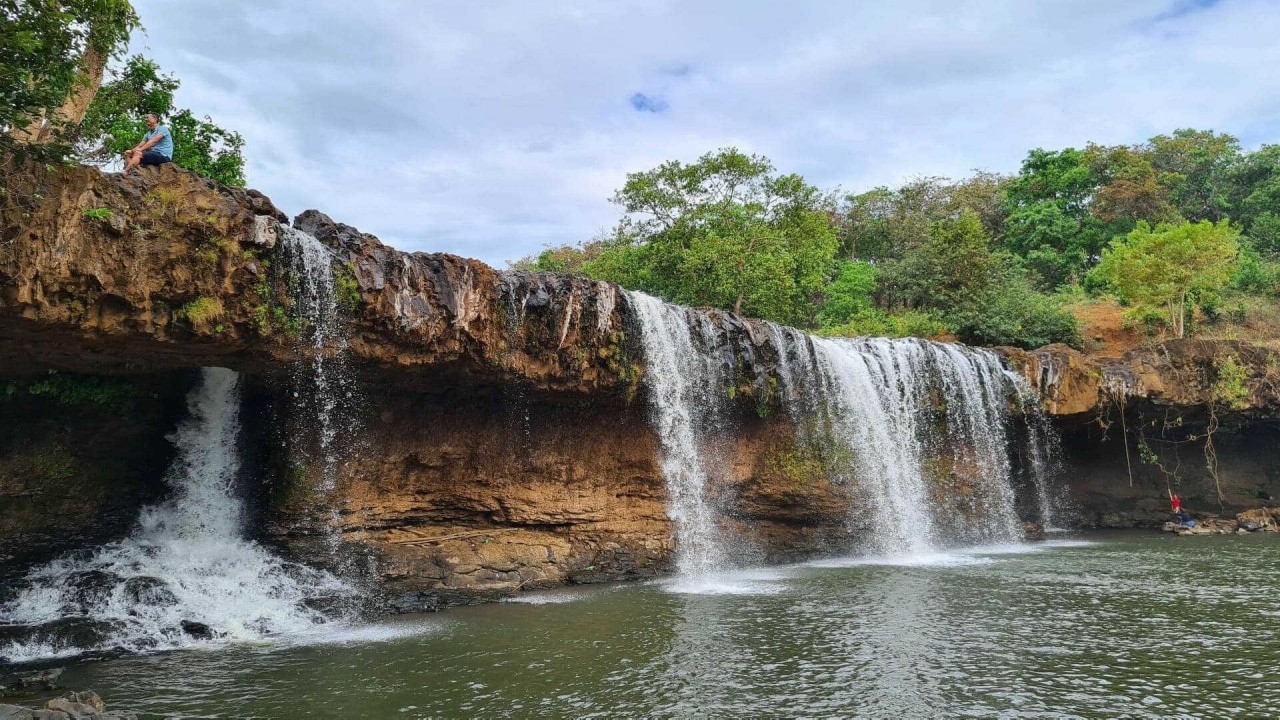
x=494, y=128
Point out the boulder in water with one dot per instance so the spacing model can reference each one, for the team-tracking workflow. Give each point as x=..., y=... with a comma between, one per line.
x=74, y=632
x=87, y=697
x=71, y=708
x=149, y=591
x=90, y=589
x=197, y=630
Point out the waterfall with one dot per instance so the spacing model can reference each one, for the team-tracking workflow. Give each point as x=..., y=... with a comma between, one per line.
x=1045, y=451
x=325, y=393
x=917, y=431
x=685, y=385
x=186, y=573
x=922, y=426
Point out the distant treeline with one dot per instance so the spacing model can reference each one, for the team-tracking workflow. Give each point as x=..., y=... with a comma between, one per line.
x=1183, y=221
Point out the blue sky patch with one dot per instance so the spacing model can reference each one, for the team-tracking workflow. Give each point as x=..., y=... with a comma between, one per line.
x=648, y=103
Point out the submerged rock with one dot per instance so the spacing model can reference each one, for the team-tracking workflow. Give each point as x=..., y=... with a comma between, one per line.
x=47, y=679
x=72, y=706
x=149, y=591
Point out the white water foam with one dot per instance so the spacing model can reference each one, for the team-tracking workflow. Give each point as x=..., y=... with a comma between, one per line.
x=186, y=562
x=745, y=581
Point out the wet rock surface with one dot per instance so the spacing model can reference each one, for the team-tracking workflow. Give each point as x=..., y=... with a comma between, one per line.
x=85, y=705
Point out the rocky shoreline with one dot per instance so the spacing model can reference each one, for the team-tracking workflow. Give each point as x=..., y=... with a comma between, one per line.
x=83, y=705
x=1250, y=521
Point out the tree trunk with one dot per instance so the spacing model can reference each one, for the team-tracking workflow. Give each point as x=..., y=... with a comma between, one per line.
x=72, y=111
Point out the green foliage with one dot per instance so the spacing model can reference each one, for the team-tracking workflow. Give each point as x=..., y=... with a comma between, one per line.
x=116, y=121
x=875, y=322
x=954, y=265
x=990, y=259
x=850, y=292
x=726, y=231
x=42, y=45
x=202, y=310
x=98, y=213
x=1050, y=224
x=1255, y=273
x=1170, y=264
x=801, y=466
x=347, y=288
x=1014, y=313
x=71, y=389
x=566, y=259
x=1195, y=165
x=1231, y=386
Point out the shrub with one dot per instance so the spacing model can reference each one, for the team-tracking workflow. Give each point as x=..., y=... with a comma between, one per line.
x=1014, y=313
x=873, y=322
x=202, y=310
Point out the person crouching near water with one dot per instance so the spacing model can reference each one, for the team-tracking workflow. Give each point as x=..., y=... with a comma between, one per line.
x=1184, y=517
x=156, y=147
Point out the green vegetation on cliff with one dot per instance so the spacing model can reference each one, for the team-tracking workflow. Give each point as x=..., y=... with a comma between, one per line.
x=1182, y=230
x=61, y=98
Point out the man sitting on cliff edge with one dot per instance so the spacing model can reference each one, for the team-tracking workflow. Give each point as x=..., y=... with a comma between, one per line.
x=156, y=147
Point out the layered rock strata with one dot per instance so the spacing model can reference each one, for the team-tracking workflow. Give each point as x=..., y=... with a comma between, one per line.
x=502, y=439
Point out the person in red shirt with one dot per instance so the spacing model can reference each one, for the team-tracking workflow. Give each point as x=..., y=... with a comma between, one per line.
x=1176, y=502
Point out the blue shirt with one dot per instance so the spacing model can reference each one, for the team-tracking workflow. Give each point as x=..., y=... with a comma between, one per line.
x=165, y=146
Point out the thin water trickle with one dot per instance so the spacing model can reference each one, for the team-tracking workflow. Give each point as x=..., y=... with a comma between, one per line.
x=187, y=563
x=325, y=392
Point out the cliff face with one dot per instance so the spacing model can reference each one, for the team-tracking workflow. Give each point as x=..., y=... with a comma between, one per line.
x=1194, y=417
x=500, y=438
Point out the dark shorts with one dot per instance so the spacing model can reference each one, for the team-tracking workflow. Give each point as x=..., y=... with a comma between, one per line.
x=151, y=157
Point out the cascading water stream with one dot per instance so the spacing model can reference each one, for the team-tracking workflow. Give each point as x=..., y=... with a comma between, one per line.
x=918, y=430
x=325, y=393
x=683, y=383
x=1044, y=449
x=186, y=573
x=905, y=409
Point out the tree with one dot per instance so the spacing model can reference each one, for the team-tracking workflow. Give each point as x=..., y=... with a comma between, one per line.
x=52, y=56
x=849, y=292
x=115, y=121
x=1253, y=191
x=1130, y=188
x=1012, y=312
x=1194, y=164
x=725, y=231
x=953, y=266
x=1169, y=264
x=1049, y=221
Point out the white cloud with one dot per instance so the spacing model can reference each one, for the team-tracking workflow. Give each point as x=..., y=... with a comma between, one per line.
x=491, y=129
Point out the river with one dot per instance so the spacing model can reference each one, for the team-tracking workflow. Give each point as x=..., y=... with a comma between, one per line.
x=1098, y=625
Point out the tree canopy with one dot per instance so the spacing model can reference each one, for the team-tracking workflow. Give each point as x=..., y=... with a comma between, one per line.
x=725, y=231
x=993, y=259
x=54, y=56
x=1168, y=264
